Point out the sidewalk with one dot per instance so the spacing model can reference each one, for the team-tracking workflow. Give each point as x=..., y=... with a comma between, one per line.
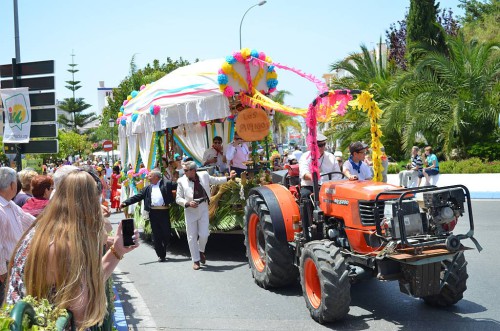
x=481, y=186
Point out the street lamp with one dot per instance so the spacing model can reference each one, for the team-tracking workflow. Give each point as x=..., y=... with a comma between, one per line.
x=112, y=125
x=258, y=4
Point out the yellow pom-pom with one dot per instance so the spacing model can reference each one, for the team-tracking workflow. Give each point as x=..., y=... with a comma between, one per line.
x=268, y=59
x=120, y=114
x=227, y=68
x=272, y=75
x=222, y=87
x=129, y=98
x=245, y=53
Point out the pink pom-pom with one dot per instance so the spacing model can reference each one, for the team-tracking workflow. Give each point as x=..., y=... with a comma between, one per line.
x=203, y=124
x=262, y=56
x=271, y=90
x=142, y=87
x=238, y=57
x=230, y=117
x=221, y=72
x=125, y=102
x=228, y=91
x=156, y=109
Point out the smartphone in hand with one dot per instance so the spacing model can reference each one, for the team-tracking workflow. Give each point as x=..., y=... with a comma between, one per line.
x=128, y=231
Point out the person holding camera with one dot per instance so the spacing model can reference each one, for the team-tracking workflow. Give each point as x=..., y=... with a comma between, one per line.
x=214, y=156
x=193, y=193
x=408, y=177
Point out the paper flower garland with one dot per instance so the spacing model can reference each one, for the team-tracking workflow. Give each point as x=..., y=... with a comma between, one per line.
x=245, y=56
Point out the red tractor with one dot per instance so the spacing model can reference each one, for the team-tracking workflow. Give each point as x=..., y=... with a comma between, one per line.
x=350, y=230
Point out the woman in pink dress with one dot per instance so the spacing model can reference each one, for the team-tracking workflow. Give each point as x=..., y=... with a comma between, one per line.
x=115, y=185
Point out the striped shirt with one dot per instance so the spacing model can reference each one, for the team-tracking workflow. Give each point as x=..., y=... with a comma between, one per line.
x=416, y=162
x=13, y=222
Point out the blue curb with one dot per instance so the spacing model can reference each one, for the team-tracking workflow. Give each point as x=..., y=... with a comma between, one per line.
x=119, y=321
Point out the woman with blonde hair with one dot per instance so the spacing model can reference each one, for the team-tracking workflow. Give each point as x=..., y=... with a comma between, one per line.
x=60, y=257
x=25, y=176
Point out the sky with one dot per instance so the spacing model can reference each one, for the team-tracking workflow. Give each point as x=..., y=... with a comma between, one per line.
x=104, y=35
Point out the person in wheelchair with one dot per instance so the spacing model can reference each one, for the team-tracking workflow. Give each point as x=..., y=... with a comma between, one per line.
x=327, y=164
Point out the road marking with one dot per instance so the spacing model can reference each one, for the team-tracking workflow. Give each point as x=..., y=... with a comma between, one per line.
x=142, y=318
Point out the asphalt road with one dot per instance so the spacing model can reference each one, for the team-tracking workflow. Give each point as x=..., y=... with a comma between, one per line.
x=223, y=295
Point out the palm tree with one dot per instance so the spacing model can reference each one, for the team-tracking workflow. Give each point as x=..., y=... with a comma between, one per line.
x=451, y=99
x=282, y=122
x=367, y=72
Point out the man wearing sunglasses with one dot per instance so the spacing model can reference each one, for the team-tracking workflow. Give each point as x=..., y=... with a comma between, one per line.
x=355, y=168
x=326, y=162
x=214, y=156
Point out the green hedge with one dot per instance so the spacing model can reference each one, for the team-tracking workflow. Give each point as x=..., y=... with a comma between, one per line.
x=470, y=166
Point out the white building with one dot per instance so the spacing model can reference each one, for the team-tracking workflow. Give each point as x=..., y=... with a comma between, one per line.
x=103, y=93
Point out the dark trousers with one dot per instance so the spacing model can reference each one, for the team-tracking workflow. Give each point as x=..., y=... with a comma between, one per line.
x=306, y=191
x=160, y=225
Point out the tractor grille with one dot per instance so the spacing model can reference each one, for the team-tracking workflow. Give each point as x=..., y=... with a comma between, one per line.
x=367, y=211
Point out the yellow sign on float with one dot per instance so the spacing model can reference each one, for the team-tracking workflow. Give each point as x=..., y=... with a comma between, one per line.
x=252, y=124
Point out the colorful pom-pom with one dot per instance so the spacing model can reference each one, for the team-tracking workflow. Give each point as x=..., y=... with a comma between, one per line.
x=272, y=83
x=268, y=59
x=134, y=94
x=120, y=114
x=129, y=97
x=125, y=102
x=228, y=91
x=271, y=90
x=270, y=68
x=228, y=68
x=156, y=109
x=230, y=59
x=122, y=109
x=152, y=109
x=123, y=122
x=135, y=116
x=262, y=56
x=237, y=56
x=245, y=53
x=272, y=75
x=222, y=87
x=142, y=87
x=254, y=53
x=222, y=79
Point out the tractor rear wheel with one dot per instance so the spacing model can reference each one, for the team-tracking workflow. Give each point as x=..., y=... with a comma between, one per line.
x=325, y=282
x=270, y=260
x=454, y=286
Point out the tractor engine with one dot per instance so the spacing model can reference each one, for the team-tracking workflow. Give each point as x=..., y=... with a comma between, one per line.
x=442, y=209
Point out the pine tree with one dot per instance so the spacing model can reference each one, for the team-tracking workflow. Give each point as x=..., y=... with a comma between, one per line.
x=423, y=31
x=75, y=106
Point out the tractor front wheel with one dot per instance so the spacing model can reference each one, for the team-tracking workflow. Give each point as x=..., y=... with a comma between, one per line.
x=325, y=282
x=270, y=260
x=454, y=285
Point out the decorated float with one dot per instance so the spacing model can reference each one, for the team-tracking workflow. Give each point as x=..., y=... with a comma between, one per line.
x=189, y=106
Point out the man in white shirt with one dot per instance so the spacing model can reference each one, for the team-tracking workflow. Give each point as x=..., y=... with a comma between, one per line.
x=237, y=153
x=13, y=221
x=158, y=197
x=297, y=152
x=214, y=156
x=354, y=167
x=326, y=162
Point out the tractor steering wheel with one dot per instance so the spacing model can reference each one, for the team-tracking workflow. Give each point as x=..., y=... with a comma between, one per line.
x=329, y=174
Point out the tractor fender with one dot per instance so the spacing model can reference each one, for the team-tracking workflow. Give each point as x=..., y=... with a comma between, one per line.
x=282, y=206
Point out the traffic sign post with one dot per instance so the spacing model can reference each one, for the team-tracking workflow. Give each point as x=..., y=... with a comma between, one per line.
x=41, y=80
x=107, y=145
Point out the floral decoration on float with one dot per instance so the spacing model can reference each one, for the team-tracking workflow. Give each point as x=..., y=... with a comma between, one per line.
x=243, y=72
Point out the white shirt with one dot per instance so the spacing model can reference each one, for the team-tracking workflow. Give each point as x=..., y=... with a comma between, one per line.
x=156, y=197
x=109, y=171
x=297, y=153
x=212, y=153
x=237, y=155
x=327, y=163
x=13, y=222
x=364, y=171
